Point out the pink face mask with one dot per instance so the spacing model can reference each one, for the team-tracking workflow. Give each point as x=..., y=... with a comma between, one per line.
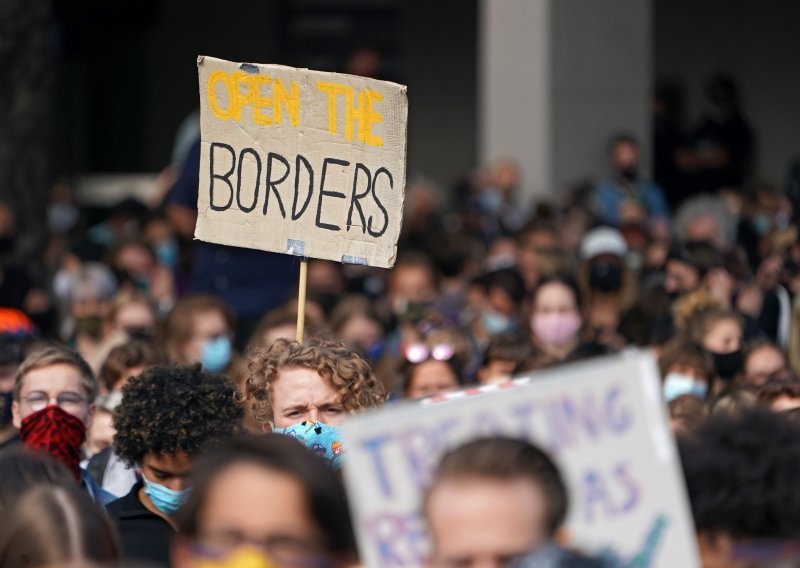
x=556, y=329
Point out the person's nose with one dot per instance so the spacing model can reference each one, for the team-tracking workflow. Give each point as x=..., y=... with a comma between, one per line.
x=178, y=483
x=313, y=415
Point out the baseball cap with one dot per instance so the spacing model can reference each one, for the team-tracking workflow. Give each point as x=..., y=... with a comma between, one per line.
x=603, y=240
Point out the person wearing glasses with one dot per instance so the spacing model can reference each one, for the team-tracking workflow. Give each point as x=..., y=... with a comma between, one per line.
x=434, y=365
x=263, y=501
x=53, y=407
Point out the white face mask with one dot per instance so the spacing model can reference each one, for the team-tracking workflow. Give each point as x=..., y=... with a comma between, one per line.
x=677, y=384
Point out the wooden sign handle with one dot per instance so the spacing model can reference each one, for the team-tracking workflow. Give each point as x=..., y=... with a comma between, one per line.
x=301, y=300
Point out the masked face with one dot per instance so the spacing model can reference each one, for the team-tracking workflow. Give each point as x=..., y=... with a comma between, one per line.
x=323, y=440
x=167, y=251
x=677, y=384
x=556, y=320
x=605, y=276
x=556, y=329
x=165, y=499
x=494, y=322
x=217, y=354
x=54, y=431
x=210, y=343
x=164, y=479
x=724, y=342
x=61, y=217
x=728, y=365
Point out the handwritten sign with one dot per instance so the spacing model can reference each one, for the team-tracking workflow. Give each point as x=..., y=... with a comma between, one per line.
x=301, y=162
x=602, y=421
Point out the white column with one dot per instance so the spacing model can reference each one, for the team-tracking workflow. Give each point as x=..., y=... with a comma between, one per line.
x=514, y=89
x=557, y=79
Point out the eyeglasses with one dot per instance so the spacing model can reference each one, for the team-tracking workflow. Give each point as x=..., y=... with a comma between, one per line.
x=419, y=352
x=67, y=401
x=286, y=551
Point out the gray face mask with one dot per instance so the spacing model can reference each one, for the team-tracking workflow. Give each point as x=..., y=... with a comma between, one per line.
x=61, y=217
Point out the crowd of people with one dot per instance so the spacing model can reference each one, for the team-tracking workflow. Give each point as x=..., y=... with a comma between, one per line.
x=152, y=384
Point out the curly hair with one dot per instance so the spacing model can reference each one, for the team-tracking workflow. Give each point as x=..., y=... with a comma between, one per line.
x=169, y=410
x=741, y=474
x=349, y=374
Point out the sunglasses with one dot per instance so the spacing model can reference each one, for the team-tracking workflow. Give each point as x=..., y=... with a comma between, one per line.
x=420, y=352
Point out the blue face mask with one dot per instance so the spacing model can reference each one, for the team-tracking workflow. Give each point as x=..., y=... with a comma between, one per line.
x=166, y=500
x=323, y=440
x=761, y=223
x=167, y=252
x=495, y=322
x=375, y=351
x=677, y=384
x=217, y=354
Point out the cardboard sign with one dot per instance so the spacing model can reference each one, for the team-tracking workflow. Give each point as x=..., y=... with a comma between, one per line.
x=603, y=422
x=301, y=162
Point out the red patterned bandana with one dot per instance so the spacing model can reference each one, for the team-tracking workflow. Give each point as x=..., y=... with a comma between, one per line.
x=57, y=433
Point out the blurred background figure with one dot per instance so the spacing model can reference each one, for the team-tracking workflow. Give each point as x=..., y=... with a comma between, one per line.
x=493, y=501
x=264, y=501
x=52, y=525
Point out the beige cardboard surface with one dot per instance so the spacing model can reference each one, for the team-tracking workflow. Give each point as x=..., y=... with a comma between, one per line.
x=301, y=162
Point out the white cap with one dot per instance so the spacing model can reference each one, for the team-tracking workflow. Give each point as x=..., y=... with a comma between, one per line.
x=603, y=240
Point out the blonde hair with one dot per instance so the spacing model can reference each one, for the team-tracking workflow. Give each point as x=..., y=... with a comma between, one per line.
x=53, y=355
x=349, y=374
x=692, y=305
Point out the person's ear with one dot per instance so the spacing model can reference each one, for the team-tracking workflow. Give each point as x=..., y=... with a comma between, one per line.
x=16, y=416
x=90, y=416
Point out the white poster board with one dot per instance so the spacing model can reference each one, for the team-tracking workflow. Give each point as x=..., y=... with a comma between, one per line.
x=301, y=162
x=603, y=422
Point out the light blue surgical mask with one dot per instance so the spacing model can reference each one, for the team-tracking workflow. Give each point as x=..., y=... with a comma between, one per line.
x=677, y=384
x=166, y=500
x=167, y=252
x=323, y=440
x=494, y=322
x=762, y=223
x=217, y=354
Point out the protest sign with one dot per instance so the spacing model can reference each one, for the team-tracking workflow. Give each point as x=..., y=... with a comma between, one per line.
x=603, y=422
x=301, y=162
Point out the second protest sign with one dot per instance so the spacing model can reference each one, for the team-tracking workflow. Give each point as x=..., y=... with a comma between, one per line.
x=604, y=424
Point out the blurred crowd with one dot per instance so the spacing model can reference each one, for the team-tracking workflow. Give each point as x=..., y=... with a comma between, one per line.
x=128, y=350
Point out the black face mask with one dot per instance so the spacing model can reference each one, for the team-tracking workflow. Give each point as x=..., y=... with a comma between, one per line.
x=727, y=365
x=7, y=243
x=605, y=277
x=629, y=174
x=91, y=326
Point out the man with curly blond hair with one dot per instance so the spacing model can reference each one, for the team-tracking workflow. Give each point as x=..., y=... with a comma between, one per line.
x=318, y=380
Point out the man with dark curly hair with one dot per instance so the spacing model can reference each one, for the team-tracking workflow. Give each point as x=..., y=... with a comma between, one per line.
x=306, y=389
x=741, y=474
x=168, y=416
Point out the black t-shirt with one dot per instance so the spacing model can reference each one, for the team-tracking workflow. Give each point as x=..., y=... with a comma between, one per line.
x=145, y=537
